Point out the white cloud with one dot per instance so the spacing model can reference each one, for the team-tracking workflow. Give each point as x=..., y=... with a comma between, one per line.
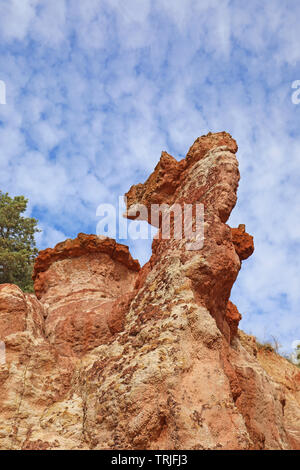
x=16, y=17
x=49, y=236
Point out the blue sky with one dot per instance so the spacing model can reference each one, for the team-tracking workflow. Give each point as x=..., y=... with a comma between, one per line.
x=97, y=89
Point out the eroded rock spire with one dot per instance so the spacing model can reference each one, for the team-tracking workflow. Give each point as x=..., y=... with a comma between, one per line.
x=109, y=355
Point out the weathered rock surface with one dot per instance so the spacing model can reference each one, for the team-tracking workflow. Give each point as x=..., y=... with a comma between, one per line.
x=79, y=282
x=111, y=356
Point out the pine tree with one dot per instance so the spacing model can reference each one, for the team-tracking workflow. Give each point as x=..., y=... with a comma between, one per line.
x=17, y=242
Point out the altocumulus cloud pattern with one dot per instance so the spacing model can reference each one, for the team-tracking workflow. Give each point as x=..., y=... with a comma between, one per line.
x=96, y=89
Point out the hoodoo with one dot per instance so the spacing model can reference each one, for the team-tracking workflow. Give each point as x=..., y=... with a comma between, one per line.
x=108, y=355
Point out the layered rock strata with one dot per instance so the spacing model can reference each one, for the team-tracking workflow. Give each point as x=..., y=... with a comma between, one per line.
x=109, y=355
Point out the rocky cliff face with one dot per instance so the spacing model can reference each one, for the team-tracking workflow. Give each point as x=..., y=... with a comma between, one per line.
x=109, y=355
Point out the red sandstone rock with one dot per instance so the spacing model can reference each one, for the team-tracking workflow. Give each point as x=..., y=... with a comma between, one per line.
x=82, y=245
x=116, y=357
x=34, y=376
x=232, y=318
x=209, y=175
x=79, y=281
x=243, y=242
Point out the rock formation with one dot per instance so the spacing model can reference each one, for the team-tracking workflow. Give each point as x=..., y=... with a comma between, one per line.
x=109, y=355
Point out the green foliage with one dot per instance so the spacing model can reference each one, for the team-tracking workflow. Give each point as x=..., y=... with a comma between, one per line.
x=294, y=358
x=17, y=243
x=298, y=355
